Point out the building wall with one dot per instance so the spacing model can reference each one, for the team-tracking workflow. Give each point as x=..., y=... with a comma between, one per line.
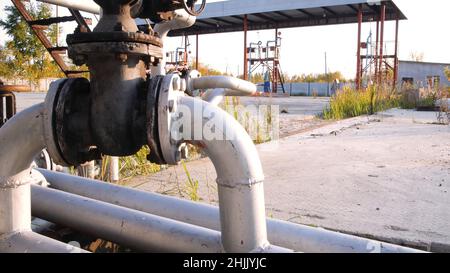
x=420, y=71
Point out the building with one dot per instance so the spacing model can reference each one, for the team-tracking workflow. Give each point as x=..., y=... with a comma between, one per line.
x=423, y=74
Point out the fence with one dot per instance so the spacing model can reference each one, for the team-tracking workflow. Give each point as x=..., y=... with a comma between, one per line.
x=310, y=88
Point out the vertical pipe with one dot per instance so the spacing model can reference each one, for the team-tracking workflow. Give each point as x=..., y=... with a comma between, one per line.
x=381, y=59
x=377, y=50
x=2, y=117
x=114, y=169
x=396, y=51
x=239, y=178
x=358, y=49
x=326, y=74
x=245, y=48
x=186, y=57
x=196, y=52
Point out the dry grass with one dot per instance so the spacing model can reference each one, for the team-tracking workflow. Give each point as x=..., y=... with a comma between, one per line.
x=349, y=102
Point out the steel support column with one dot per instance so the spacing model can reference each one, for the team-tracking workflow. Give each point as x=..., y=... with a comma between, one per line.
x=381, y=57
x=245, y=48
x=396, y=51
x=358, y=49
x=275, y=65
x=376, y=57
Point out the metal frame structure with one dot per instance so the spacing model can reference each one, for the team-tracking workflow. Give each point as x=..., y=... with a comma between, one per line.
x=267, y=56
x=56, y=52
x=235, y=15
x=382, y=61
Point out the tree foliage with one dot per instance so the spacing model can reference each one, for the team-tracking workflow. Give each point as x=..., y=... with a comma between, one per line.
x=205, y=70
x=447, y=72
x=23, y=56
x=329, y=77
x=417, y=56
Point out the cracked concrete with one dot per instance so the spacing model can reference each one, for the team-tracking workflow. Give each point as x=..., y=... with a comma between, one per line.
x=383, y=177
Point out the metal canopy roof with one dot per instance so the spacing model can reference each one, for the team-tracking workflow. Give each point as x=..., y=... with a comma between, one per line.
x=228, y=16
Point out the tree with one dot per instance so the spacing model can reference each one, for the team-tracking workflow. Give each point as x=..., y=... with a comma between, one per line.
x=447, y=72
x=26, y=58
x=205, y=70
x=5, y=68
x=417, y=56
x=323, y=78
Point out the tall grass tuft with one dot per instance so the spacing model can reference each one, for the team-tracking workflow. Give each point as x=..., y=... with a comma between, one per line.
x=349, y=102
x=137, y=164
x=191, y=186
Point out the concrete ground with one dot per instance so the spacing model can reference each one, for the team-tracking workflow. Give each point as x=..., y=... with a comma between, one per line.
x=385, y=177
x=25, y=100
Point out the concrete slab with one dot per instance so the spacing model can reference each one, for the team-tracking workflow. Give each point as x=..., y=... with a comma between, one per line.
x=385, y=177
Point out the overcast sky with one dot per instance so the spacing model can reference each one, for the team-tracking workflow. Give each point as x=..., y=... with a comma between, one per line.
x=426, y=30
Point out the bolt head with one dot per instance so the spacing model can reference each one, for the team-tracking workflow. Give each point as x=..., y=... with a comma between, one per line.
x=176, y=84
x=171, y=106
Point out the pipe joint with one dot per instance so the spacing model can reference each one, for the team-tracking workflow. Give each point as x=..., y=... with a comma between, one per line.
x=16, y=181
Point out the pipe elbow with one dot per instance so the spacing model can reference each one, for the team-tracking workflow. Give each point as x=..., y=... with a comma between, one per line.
x=232, y=86
x=23, y=135
x=226, y=142
x=181, y=19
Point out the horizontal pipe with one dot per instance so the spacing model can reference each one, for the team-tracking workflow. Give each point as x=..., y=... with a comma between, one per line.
x=81, y=5
x=31, y=242
x=125, y=226
x=293, y=236
x=232, y=86
x=215, y=96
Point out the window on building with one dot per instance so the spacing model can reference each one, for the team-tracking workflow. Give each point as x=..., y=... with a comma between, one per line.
x=407, y=81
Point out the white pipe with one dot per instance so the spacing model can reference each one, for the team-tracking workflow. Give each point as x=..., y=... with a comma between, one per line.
x=214, y=96
x=31, y=242
x=239, y=175
x=221, y=86
x=81, y=5
x=121, y=225
x=181, y=19
x=114, y=169
x=234, y=86
x=294, y=236
x=21, y=139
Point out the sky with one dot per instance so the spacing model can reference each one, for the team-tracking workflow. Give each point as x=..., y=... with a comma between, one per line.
x=303, y=49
